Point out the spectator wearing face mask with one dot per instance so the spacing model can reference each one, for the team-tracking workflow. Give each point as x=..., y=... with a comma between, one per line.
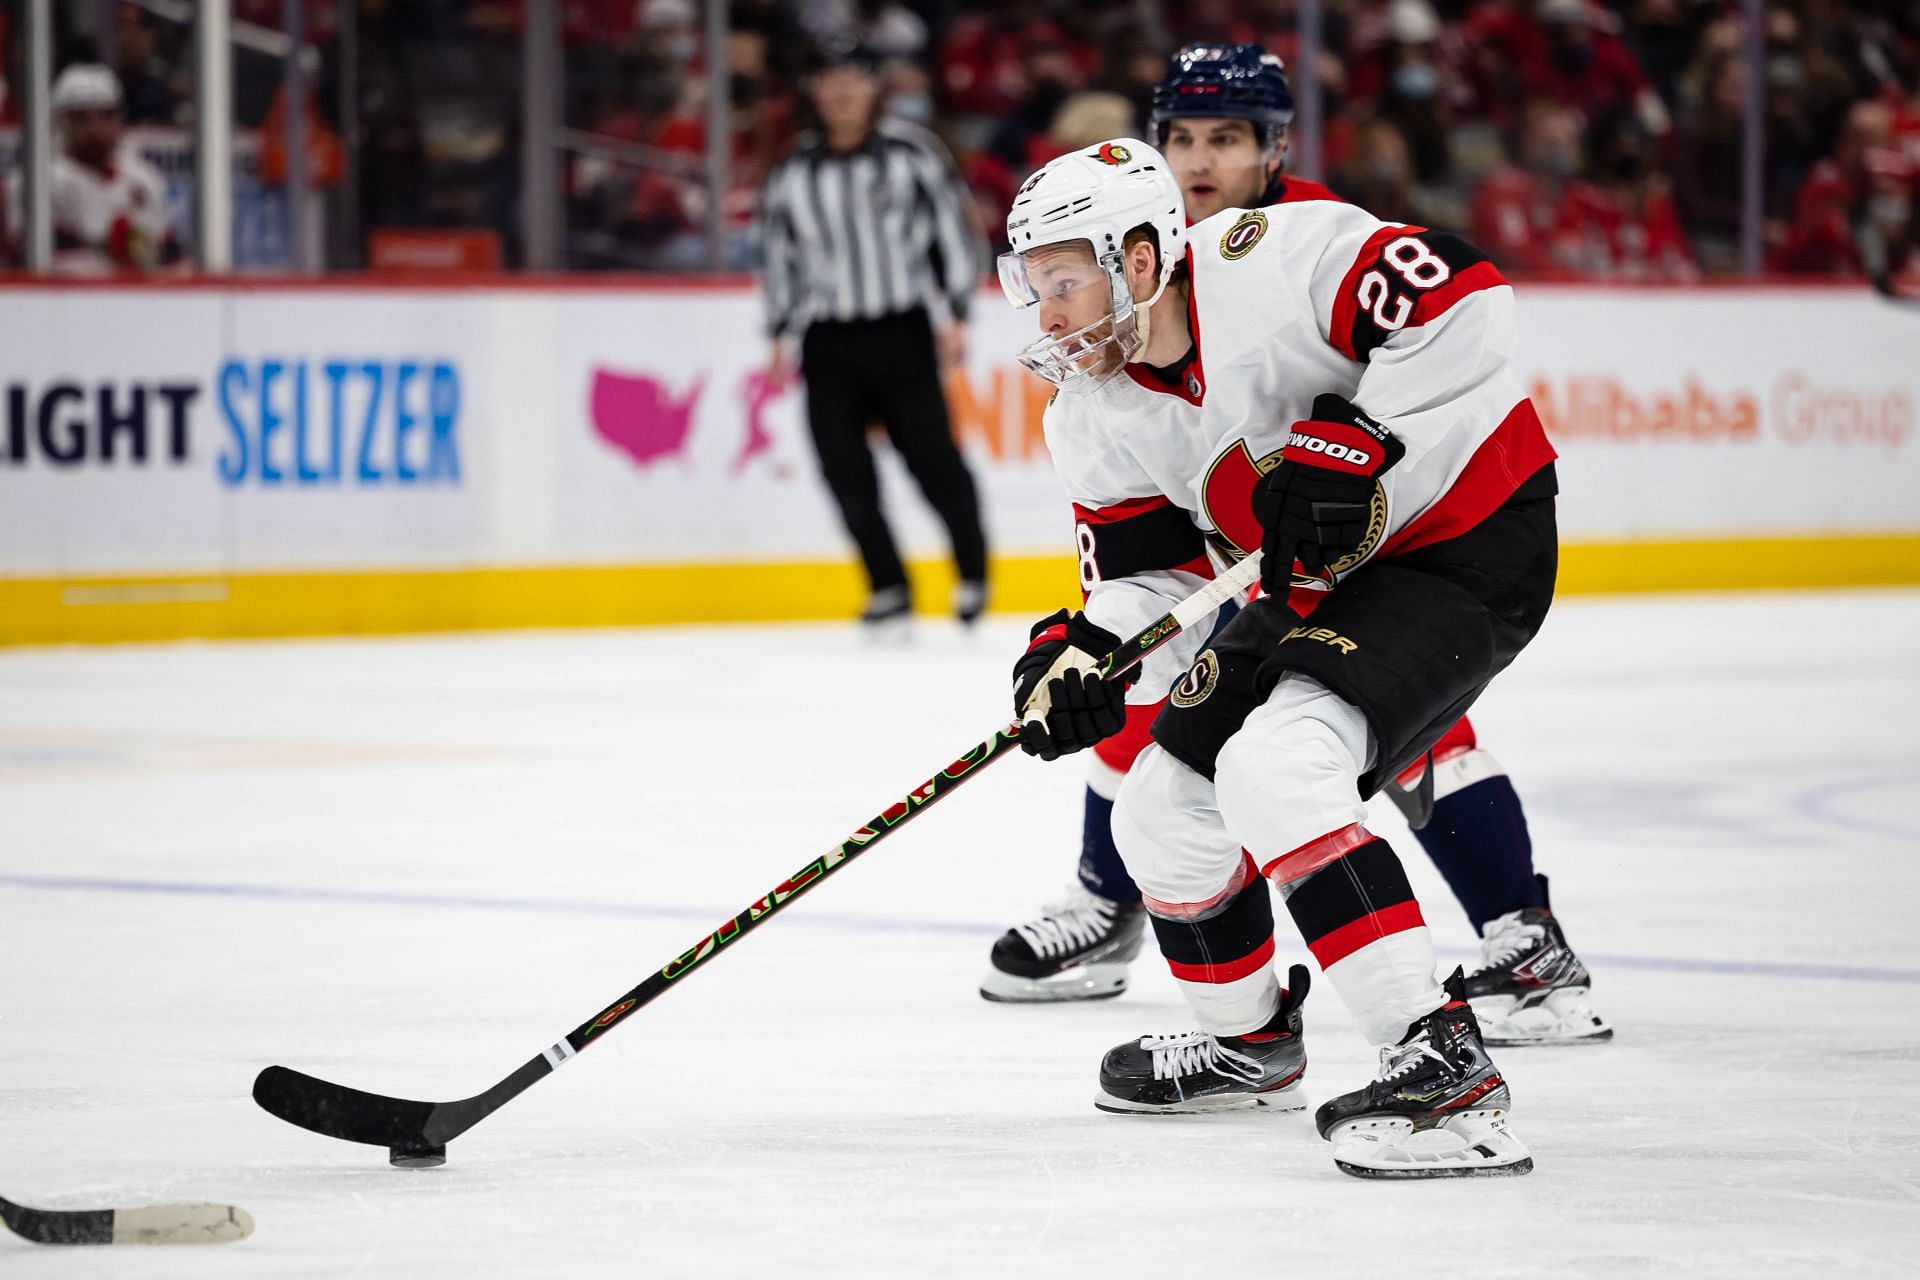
x=1516, y=206
x=1620, y=224
x=1409, y=80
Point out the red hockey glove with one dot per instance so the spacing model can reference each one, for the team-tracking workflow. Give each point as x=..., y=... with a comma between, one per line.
x=1058, y=694
x=1315, y=505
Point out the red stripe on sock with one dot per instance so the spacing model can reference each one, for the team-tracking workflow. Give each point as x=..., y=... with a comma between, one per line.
x=1349, y=938
x=1231, y=971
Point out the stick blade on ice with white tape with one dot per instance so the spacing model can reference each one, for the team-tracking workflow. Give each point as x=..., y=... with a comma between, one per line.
x=151, y=1224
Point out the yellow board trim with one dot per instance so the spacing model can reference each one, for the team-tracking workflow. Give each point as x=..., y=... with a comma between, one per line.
x=379, y=602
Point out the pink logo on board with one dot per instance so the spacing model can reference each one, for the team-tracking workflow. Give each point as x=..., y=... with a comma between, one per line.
x=636, y=415
x=757, y=391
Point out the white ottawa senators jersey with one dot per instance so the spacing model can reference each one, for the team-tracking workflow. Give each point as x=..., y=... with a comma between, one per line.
x=1288, y=303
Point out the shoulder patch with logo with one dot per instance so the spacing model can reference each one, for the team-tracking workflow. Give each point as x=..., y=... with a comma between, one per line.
x=1243, y=235
x=1194, y=686
x=1113, y=154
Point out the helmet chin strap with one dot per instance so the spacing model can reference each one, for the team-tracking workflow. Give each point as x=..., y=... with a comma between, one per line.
x=1143, y=325
x=1143, y=322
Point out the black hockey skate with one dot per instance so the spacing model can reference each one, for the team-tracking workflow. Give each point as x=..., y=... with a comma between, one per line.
x=1078, y=950
x=1437, y=1109
x=1533, y=989
x=1197, y=1072
x=887, y=617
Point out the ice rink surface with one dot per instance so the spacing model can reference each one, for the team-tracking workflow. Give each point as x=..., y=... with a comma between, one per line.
x=409, y=864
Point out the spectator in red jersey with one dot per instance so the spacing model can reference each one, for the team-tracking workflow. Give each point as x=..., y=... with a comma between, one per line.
x=1820, y=240
x=1621, y=223
x=1516, y=206
x=1579, y=59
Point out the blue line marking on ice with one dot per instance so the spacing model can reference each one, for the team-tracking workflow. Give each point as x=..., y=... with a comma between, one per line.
x=859, y=924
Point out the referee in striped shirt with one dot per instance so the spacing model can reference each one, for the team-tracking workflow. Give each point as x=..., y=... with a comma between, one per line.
x=870, y=269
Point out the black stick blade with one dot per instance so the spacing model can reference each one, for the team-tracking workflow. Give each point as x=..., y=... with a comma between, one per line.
x=339, y=1112
x=154, y=1224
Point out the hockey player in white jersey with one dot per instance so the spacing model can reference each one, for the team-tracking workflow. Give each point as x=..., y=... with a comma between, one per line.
x=109, y=205
x=1359, y=424
x=1221, y=117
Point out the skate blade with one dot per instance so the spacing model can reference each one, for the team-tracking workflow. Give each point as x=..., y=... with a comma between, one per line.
x=1565, y=1017
x=1284, y=1099
x=1088, y=982
x=1444, y=1171
x=1476, y=1144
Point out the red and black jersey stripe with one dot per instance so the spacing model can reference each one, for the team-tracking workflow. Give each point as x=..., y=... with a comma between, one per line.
x=1138, y=536
x=1389, y=287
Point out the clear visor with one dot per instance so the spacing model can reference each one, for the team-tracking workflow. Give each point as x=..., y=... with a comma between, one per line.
x=1054, y=271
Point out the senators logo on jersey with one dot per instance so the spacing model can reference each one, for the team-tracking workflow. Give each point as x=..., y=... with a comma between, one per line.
x=1243, y=235
x=1226, y=499
x=1113, y=155
x=1194, y=686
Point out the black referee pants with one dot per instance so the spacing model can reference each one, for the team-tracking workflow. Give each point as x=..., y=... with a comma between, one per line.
x=886, y=370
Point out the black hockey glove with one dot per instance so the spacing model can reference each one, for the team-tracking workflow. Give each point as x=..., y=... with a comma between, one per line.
x=1058, y=695
x=1315, y=505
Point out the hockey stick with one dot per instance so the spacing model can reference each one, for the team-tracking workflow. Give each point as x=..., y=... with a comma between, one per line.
x=156, y=1224
x=416, y=1133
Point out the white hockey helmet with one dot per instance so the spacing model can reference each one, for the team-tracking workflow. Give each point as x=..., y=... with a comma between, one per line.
x=85, y=86
x=1094, y=195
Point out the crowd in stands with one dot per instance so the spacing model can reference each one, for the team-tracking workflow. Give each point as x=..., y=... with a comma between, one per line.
x=1562, y=136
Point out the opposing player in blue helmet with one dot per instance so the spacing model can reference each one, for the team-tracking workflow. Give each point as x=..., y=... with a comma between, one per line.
x=1220, y=118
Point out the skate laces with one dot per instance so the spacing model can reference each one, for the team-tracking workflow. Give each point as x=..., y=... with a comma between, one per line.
x=1191, y=1052
x=1401, y=1059
x=1512, y=937
x=1080, y=921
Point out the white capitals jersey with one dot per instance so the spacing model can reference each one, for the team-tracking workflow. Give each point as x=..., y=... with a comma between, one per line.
x=103, y=221
x=1291, y=302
